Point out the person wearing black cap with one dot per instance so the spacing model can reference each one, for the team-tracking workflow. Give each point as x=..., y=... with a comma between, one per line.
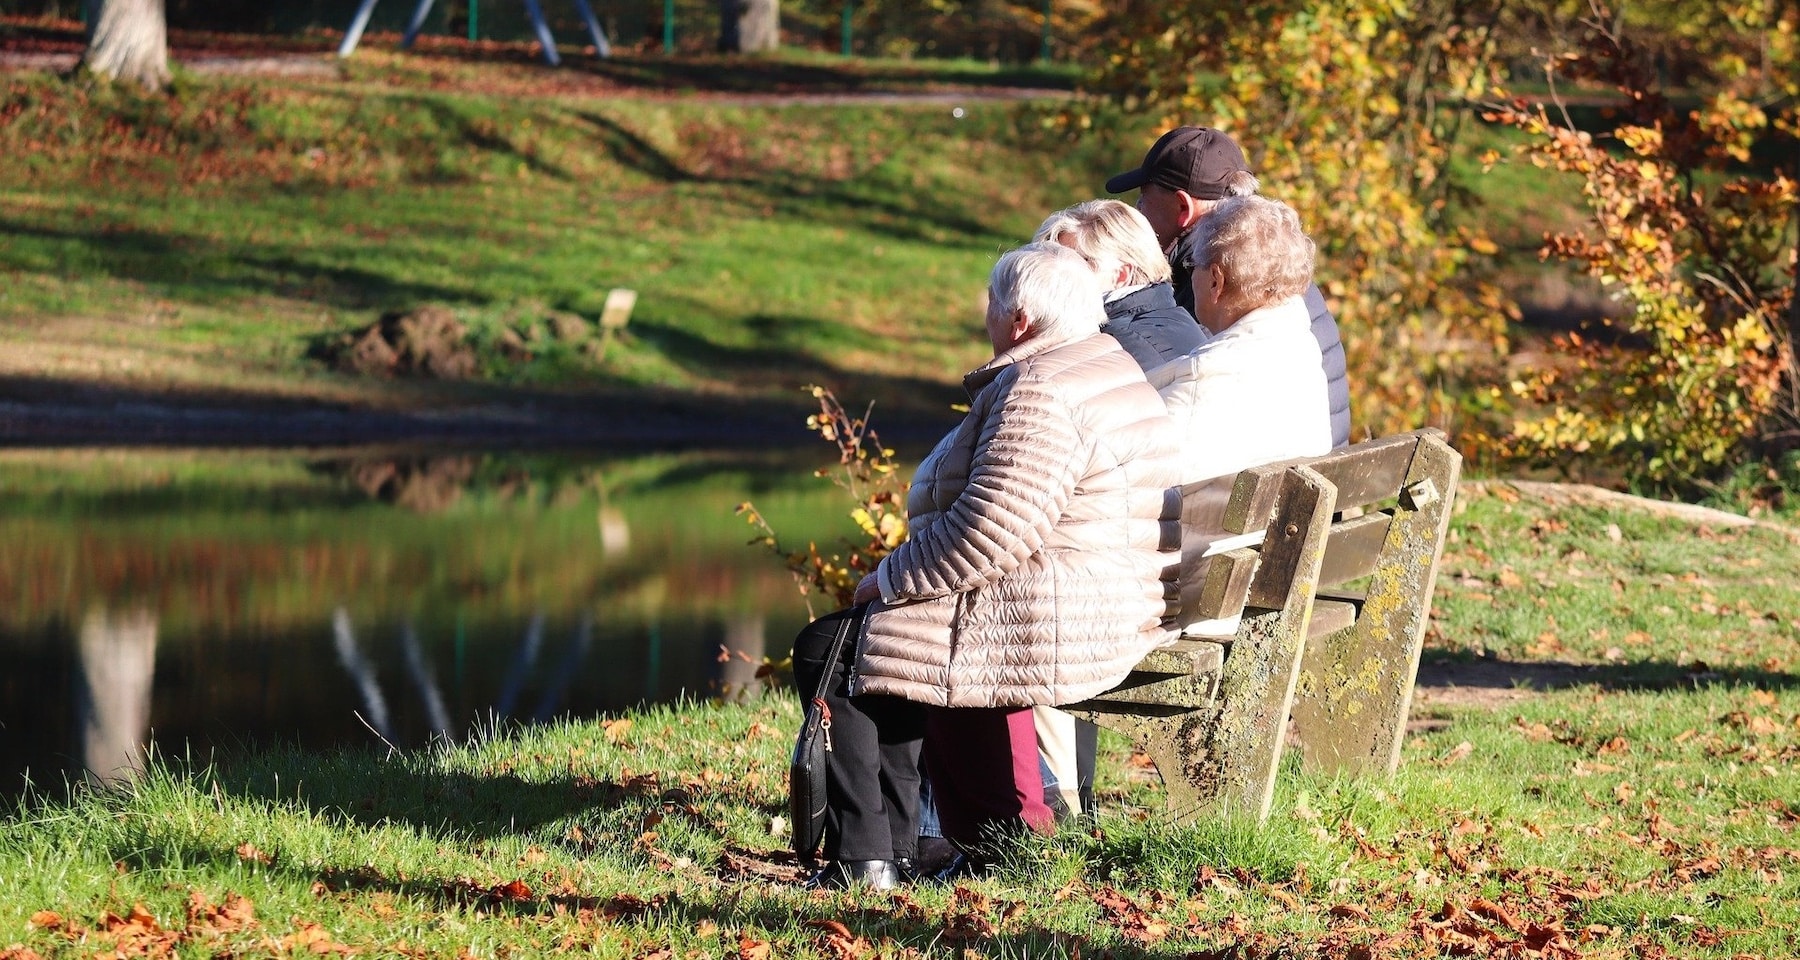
x=1184, y=175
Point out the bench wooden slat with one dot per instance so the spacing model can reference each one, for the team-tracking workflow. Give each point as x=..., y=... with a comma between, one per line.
x=1226, y=588
x=1363, y=474
x=1183, y=657
x=1330, y=616
x=1354, y=548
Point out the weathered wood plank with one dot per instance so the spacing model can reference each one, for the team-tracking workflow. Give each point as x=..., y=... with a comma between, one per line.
x=1354, y=548
x=1328, y=617
x=1356, y=684
x=1226, y=588
x=1228, y=759
x=1365, y=473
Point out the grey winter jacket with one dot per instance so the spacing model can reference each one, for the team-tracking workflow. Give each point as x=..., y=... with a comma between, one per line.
x=1043, y=538
x=1151, y=326
x=1324, y=329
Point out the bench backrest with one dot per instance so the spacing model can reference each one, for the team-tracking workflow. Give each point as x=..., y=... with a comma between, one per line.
x=1377, y=483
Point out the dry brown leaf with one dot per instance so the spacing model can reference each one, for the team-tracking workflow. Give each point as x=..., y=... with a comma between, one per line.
x=247, y=851
x=1350, y=911
x=750, y=948
x=1535, y=732
x=1615, y=747
x=47, y=919
x=616, y=730
x=1493, y=911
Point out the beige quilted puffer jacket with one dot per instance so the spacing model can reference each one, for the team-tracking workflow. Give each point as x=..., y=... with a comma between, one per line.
x=1043, y=538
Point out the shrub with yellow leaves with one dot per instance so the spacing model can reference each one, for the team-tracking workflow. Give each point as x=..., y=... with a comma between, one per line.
x=1683, y=229
x=867, y=471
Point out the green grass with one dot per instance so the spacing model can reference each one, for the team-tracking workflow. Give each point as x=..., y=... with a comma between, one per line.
x=218, y=236
x=1647, y=809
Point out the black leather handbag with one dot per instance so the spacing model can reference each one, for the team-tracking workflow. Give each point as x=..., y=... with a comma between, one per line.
x=812, y=751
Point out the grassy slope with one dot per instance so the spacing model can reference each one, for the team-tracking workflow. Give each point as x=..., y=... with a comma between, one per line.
x=1647, y=811
x=209, y=240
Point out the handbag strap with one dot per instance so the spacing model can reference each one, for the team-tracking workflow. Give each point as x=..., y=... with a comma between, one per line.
x=831, y=658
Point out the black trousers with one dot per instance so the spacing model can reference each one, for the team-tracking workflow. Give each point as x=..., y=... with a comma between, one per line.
x=872, y=771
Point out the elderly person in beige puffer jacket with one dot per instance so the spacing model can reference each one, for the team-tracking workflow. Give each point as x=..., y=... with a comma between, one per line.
x=1040, y=566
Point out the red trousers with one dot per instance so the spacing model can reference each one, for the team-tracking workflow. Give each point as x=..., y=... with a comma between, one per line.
x=985, y=776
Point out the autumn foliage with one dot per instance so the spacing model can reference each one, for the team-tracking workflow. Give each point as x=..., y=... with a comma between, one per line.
x=1698, y=374
x=866, y=471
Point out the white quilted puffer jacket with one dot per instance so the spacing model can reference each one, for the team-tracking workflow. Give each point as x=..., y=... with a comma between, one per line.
x=1043, y=538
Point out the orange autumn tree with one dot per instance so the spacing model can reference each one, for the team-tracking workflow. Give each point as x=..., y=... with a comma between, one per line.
x=1691, y=229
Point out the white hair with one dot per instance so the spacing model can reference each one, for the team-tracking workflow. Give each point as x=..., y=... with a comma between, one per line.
x=1260, y=249
x=1050, y=284
x=1109, y=232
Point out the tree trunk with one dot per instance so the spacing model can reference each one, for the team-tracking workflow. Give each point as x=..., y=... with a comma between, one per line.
x=129, y=41
x=749, y=26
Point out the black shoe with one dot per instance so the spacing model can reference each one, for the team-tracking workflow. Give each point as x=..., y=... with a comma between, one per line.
x=961, y=866
x=844, y=874
x=934, y=854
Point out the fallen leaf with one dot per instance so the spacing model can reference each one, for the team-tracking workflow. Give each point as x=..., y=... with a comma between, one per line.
x=1493, y=911
x=248, y=851
x=750, y=948
x=1615, y=747
x=1350, y=911
x=1536, y=732
x=49, y=920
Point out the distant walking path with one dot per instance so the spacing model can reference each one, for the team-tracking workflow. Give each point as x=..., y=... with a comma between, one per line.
x=570, y=79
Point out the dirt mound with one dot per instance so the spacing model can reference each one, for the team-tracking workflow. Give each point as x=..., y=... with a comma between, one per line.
x=426, y=341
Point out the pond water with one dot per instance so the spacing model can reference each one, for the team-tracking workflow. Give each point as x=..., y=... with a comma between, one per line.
x=193, y=601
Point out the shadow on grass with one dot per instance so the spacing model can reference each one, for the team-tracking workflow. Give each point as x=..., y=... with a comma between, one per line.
x=921, y=217
x=186, y=265
x=1648, y=676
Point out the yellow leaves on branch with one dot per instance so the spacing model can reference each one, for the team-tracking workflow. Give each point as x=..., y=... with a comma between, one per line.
x=1701, y=256
x=868, y=472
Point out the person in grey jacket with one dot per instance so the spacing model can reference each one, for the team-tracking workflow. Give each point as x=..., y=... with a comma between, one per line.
x=1141, y=312
x=1184, y=176
x=1041, y=556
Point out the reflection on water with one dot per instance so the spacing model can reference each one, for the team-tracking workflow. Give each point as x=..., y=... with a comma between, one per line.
x=118, y=664
x=186, y=601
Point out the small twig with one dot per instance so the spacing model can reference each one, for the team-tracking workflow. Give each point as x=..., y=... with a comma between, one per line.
x=390, y=744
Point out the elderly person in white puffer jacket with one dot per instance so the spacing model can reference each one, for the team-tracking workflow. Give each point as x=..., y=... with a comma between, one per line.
x=1040, y=566
x=1255, y=392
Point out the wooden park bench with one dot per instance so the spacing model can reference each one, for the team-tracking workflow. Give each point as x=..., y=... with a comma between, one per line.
x=1212, y=712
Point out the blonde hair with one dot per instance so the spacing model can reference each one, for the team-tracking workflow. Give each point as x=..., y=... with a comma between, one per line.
x=1109, y=231
x=1260, y=249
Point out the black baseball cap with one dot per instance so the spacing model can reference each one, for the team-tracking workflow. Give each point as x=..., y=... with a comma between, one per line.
x=1199, y=160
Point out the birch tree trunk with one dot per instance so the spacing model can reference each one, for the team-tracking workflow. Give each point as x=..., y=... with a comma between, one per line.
x=130, y=41
x=749, y=26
